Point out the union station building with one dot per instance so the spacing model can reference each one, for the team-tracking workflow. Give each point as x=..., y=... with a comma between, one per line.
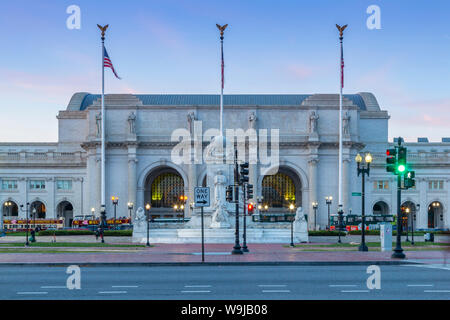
x=62, y=179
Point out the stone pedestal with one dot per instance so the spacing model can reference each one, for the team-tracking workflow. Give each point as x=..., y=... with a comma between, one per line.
x=300, y=226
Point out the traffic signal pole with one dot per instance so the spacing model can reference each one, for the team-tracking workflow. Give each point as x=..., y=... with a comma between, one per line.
x=237, y=246
x=244, y=236
x=398, y=251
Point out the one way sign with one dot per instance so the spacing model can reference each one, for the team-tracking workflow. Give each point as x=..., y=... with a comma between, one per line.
x=201, y=197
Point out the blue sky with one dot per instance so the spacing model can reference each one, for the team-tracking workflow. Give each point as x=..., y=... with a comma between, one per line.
x=171, y=46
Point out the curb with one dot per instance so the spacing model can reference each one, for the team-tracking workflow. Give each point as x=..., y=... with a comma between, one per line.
x=189, y=264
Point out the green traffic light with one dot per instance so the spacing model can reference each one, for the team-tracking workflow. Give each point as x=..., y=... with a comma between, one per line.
x=401, y=168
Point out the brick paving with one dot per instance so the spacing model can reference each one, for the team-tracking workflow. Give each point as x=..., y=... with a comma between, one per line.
x=217, y=253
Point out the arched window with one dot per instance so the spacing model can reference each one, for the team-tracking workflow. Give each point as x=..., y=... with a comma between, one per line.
x=380, y=207
x=10, y=209
x=166, y=190
x=37, y=210
x=278, y=191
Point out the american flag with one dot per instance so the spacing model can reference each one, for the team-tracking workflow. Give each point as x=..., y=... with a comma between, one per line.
x=108, y=63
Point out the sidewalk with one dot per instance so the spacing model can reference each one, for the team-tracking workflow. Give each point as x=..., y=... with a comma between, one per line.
x=190, y=254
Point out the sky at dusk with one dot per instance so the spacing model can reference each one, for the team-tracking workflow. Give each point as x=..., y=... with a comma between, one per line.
x=172, y=46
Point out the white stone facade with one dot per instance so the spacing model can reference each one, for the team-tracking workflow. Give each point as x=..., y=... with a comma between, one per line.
x=137, y=149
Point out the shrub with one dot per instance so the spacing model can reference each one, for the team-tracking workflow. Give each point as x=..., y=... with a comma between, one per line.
x=367, y=233
x=65, y=232
x=119, y=233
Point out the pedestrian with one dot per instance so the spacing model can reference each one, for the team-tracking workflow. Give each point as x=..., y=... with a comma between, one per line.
x=97, y=232
x=54, y=236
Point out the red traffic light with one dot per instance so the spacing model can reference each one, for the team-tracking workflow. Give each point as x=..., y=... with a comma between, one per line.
x=250, y=208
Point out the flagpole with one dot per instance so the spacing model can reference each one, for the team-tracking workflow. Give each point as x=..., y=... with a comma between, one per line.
x=102, y=197
x=341, y=38
x=222, y=29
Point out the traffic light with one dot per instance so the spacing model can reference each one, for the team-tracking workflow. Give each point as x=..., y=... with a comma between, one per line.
x=401, y=161
x=391, y=160
x=243, y=173
x=229, y=193
x=408, y=180
x=249, y=191
x=250, y=208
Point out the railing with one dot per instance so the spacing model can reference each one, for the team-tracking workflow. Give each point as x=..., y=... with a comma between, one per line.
x=273, y=217
x=48, y=157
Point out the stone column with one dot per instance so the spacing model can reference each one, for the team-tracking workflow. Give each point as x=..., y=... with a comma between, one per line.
x=132, y=183
x=345, y=184
x=422, y=215
x=312, y=194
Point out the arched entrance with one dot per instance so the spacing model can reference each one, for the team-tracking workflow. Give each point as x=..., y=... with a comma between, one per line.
x=65, y=210
x=37, y=210
x=280, y=191
x=435, y=215
x=408, y=211
x=164, y=191
x=380, y=208
x=10, y=209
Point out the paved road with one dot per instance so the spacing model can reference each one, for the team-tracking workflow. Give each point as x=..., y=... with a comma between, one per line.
x=227, y=282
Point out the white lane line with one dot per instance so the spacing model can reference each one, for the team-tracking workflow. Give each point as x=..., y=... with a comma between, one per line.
x=272, y=285
x=353, y=291
x=53, y=287
x=36, y=292
x=114, y=292
x=125, y=286
x=420, y=285
x=276, y=291
x=436, y=291
x=198, y=286
x=342, y=285
x=195, y=291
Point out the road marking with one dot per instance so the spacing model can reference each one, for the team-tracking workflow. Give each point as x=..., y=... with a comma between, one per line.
x=53, y=287
x=342, y=285
x=272, y=285
x=198, y=286
x=353, y=291
x=36, y=292
x=420, y=285
x=107, y=292
x=196, y=291
x=436, y=291
x=125, y=286
x=276, y=291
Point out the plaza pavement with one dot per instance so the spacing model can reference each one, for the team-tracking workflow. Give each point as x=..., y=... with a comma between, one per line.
x=218, y=254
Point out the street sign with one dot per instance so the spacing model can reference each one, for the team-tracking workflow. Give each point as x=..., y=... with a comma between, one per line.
x=201, y=197
x=356, y=194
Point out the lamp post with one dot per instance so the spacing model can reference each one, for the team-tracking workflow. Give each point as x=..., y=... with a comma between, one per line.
x=130, y=208
x=8, y=205
x=407, y=211
x=103, y=222
x=363, y=171
x=34, y=218
x=93, y=217
x=328, y=201
x=115, y=201
x=412, y=226
x=315, y=205
x=291, y=209
x=147, y=209
x=26, y=231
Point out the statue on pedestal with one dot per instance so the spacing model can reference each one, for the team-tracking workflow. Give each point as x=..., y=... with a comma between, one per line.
x=346, y=124
x=300, y=226
x=313, y=119
x=219, y=217
x=98, y=122
x=140, y=221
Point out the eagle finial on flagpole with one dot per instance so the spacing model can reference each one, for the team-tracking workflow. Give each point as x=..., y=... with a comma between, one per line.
x=222, y=28
x=103, y=29
x=341, y=30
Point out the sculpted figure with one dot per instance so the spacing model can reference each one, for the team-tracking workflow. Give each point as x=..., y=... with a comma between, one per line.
x=131, y=122
x=313, y=118
x=346, y=123
x=219, y=217
x=252, y=120
x=98, y=122
x=191, y=118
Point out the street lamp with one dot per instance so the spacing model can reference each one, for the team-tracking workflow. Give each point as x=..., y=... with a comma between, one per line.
x=103, y=222
x=93, y=212
x=130, y=207
x=363, y=171
x=291, y=209
x=8, y=205
x=412, y=221
x=34, y=218
x=147, y=208
x=26, y=234
x=115, y=201
x=328, y=201
x=407, y=211
x=315, y=205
